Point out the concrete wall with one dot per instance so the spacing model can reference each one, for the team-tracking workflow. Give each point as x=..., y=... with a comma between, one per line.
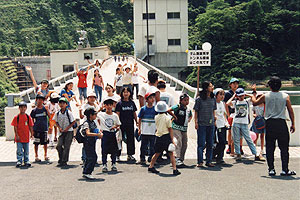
x=68, y=57
x=39, y=64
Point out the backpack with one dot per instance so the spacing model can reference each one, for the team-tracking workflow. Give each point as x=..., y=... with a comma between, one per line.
x=18, y=119
x=79, y=137
x=259, y=123
x=75, y=125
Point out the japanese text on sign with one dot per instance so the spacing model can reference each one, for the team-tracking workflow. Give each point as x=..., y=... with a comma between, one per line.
x=199, y=58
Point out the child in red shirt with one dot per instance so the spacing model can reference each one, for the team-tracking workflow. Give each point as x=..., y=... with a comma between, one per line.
x=82, y=82
x=22, y=124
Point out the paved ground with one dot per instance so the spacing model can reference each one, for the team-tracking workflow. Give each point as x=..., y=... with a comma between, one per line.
x=245, y=180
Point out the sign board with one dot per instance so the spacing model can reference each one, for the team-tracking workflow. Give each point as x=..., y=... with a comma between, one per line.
x=199, y=58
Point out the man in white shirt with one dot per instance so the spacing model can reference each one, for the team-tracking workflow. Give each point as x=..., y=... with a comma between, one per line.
x=165, y=96
x=151, y=87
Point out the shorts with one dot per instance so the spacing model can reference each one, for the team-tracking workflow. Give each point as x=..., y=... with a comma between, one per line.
x=118, y=89
x=40, y=138
x=162, y=143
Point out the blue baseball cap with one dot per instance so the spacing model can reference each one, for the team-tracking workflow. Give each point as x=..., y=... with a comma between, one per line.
x=234, y=80
x=240, y=92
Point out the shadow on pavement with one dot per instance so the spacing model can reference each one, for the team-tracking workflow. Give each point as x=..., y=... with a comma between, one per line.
x=166, y=175
x=284, y=178
x=90, y=180
x=69, y=167
x=7, y=164
x=110, y=173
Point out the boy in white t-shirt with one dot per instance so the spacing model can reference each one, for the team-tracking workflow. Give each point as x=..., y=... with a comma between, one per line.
x=53, y=108
x=240, y=123
x=165, y=96
x=109, y=125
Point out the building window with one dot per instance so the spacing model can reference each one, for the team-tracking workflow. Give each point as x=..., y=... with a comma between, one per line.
x=88, y=56
x=150, y=42
x=68, y=68
x=173, y=15
x=151, y=16
x=172, y=42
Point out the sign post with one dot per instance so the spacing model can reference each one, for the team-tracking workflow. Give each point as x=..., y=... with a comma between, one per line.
x=200, y=58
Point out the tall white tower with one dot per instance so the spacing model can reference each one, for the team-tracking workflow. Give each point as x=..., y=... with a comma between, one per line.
x=168, y=33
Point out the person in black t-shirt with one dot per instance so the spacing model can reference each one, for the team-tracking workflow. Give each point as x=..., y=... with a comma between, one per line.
x=126, y=109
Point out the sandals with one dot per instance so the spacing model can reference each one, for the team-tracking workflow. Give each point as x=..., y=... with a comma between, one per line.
x=209, y=165
x=200, y=165
x=37, y=159
x=288, y=173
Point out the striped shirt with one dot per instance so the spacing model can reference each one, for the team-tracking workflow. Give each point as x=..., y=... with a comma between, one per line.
x=148, y=123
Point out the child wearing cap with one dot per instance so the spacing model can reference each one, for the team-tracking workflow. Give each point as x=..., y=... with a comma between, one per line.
x=118, y=83
x=164, y=136
x=89, y=130
x=147, y=127
x=240, y=123
x=22, y=124
x=53, y=108
x=91, y=102
x=44, y=84
x=109, y=124
x=82, y=82
x=40, y=115
x=64, y=121
x=182, y=116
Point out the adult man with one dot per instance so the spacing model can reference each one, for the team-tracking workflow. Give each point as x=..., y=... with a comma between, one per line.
x=276, y=128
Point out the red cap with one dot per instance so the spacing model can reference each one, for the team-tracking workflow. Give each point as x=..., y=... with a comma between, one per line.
x=149, y=94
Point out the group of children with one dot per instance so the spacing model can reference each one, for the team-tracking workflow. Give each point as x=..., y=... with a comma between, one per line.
x=160, y=125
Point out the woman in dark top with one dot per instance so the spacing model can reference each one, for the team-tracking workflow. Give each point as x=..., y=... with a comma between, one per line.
x=126, y=109
x=205, y=107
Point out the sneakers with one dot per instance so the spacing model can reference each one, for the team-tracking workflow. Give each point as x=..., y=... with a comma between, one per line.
x=131, y=158
x=178, y=162
x=114, y=168
x=88, y=176
x=19, y=164
x=272, y=172
x=238, y=157
x=104, y=169
x=27, y=164
x=260, y=158
x=288, y=173
x=153, y=170
x=176, y=172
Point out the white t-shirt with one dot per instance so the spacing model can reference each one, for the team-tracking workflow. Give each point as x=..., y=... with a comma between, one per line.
x=127, y=78
x=108, y=121
x=135, y=78
x=119, y=80
x=53, y=108
x=221, y=121
x=166, y=97
x=63, y=121
x=242, y=110
x=143, y=89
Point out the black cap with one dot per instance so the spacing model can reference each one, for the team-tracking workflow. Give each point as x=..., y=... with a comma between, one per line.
x=40, y=96
x=22, y=103
x=109, y=101
x=90, y=111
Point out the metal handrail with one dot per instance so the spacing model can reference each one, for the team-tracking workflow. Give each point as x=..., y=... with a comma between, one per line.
x=191, y=91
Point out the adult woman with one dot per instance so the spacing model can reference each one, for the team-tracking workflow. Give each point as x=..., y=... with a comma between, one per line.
x=204, y=108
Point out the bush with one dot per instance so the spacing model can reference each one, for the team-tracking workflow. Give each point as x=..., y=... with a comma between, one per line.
x=296, y=80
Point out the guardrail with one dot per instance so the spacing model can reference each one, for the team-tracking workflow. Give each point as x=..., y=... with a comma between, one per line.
x=30, y=93
x=191, y=91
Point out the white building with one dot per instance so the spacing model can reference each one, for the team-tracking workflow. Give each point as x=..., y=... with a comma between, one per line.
x=168, y=33
x=62, y=61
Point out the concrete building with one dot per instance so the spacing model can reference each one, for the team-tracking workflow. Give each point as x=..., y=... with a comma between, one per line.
x=62, y=61
x=168, y=33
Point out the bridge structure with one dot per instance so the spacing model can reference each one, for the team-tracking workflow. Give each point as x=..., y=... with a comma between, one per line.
x=174, y=87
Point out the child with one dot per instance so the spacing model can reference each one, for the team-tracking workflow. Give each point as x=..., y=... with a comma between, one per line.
x=182, y=116
x=89, y=129
x=53, y=108
x=147, y=127
x=165, y=96
x=164, y=136
x=22, y=124
x=135, y=80
x=111, y=95
x=91, y=98
x=40, y=128
x=221, y=123
x=69, y=94
x=110, y=124
x=126, y=110
x=258, y=114
x=64, y=122
x=44, y=90
x=118, y=84
x=98, y=84
x=240, y=123
x=82, y=82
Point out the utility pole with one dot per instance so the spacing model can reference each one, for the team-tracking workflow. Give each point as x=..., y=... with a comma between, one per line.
x=147, y=21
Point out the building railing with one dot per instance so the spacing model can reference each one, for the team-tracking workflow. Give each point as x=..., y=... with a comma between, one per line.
x=184, y=87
